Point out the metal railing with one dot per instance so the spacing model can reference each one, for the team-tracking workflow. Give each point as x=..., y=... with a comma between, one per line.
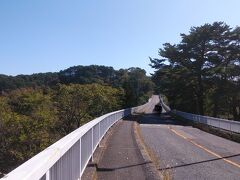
x=67, y=158
x=229, y=125
x=165, y=107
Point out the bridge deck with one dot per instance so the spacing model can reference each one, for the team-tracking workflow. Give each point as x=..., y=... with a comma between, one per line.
x=122, y=158
x=189, y=153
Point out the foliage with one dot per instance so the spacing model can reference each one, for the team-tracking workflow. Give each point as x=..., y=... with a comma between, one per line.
x=201, y=73
x=33, y=118
x=135, y=93
x=87, y=75
x=78, y=104
x=138, y=87
x=27, y=121
x=8, y=83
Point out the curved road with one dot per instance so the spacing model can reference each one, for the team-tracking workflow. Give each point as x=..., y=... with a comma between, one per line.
x=186, y=152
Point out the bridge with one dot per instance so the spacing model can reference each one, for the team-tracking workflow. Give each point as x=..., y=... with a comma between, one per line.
x=137, y=143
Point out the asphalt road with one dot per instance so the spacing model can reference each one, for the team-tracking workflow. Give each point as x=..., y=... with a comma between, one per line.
x=189, y=153
x=122, y=158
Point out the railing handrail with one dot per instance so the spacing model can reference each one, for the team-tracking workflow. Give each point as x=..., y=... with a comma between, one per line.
x=225, y=124
x=52, y=153
x=215, y=118
x=39, y=165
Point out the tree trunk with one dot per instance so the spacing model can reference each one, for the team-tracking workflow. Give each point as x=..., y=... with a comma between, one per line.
x=200, y=96
x=215, y=109
x=236, y=109
x=199, y=79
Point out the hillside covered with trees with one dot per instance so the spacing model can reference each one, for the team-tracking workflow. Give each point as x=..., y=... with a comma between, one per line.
x=201, y=74
x=37, y=110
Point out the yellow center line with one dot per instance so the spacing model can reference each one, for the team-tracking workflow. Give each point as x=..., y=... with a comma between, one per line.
x=204, y=148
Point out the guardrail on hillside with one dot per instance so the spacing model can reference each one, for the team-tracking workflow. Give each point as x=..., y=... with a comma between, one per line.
x=67, y=158
x=228, y=125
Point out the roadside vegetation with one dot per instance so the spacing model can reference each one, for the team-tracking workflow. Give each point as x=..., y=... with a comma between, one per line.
x=201, y=74
x=37, y=110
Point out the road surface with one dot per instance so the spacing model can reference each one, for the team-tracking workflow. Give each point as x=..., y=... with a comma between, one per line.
x=122, y=158
x=189, y=153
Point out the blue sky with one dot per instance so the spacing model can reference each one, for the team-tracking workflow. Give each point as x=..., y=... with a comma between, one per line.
x=51, y=35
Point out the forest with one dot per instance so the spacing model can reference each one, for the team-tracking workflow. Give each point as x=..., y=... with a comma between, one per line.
x=37, y=110
x=201, y=74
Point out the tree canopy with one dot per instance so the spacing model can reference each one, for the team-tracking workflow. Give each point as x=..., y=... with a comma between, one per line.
x=201, y=74
x=36, y=110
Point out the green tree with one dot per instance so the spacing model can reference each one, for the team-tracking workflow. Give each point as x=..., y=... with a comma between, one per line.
x=77, y=104
x=137, y=86
x=202, y=70
x=27, y=121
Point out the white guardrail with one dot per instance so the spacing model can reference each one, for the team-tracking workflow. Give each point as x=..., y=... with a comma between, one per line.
x=67, y=158
x=229, y=125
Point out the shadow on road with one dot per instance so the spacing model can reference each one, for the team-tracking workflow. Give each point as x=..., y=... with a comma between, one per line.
x=156, y=118
x=153, y=118
x=122, y=167
x=200, y=162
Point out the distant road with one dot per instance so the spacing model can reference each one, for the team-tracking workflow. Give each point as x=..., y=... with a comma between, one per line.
x=190, y=153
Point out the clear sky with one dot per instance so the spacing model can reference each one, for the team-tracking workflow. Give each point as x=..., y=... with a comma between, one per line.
x=51, y=35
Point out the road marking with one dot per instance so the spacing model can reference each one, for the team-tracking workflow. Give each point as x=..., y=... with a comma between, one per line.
x=204, y=148
x=154, y=125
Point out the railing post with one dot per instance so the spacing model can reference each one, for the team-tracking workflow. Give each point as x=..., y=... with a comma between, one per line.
x=92, y=144
x=48, y=175
x=99, y=133
x=230, y=127
x=80, y=157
